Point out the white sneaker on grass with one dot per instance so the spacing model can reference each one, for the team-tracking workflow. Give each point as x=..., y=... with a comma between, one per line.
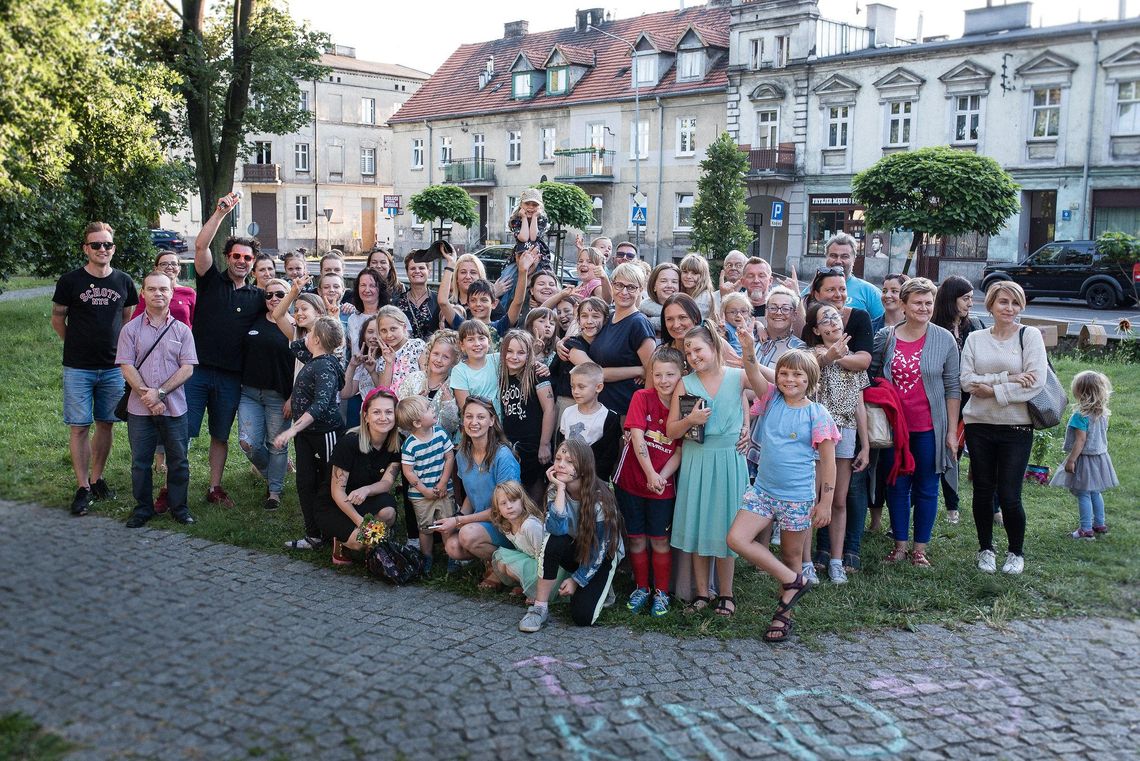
x=987, y=561
x=836, y=573
x=534, y=619
x=808, y=572
x=1014, y=564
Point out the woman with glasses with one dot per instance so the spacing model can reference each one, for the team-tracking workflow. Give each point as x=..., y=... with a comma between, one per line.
x=266, y=382
x=624, y=346
x=921, y=360
x=184, y=299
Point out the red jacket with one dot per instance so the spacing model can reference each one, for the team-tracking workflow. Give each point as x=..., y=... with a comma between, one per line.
x=884, y=394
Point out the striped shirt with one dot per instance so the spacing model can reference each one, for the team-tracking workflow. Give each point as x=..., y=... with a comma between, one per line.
x=427, y=459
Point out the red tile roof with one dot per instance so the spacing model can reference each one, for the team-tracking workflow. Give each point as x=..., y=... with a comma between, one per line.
x=453, y=91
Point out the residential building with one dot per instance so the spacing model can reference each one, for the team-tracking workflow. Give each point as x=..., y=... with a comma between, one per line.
x=340, y=161
x=614, y=106
x=814, y=102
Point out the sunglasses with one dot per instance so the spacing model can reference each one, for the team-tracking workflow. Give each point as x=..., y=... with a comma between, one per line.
x=242, y=257
x=99, y=244
x=627, y=287
x=830, y=271
x=274, y=295
x=625, y=255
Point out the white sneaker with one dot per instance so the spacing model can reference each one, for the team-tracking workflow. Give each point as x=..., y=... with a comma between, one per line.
x=953, y=517
x=1014, y=564
x=808, y=572
x=775, y=536
x=304, y=543
x=611, y=598
x=836, y=573
x=987, y=561
x=414, y=543
x=534, y=619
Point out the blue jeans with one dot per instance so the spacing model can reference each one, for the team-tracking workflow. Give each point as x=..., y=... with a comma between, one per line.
x=858, y=500
x=259, y=422
x=145, y=433
x=1091, y=505
x=511, y=274
x=919, y=489
x=217, y=391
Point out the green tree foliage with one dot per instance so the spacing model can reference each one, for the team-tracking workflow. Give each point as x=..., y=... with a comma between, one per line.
x=1123, y=250
x=77, y=137
x=936, y=191
x=444, y=202
x=720, y=209
x=567, y=206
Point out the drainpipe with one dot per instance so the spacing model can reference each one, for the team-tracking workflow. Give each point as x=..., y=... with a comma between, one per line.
x=660, y=168
x=429, y=156
x=316, y=178
x=1085, y=193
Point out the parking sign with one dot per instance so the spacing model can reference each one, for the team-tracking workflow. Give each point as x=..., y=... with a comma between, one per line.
x=777, y=218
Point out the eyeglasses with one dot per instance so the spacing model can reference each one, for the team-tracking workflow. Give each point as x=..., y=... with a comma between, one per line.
x=101, y=244
x=737, y=312
x=625, y=255
x=241, y=257
x=274, y=295
x=780, y=309
x=169, y=265
x=627, y=287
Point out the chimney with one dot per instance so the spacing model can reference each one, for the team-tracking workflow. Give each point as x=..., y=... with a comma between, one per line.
x=515, y=29
x=997, y=18
x=881, y=19
x=589, y=17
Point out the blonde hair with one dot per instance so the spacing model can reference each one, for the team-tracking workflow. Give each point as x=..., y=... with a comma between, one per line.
x=651, y=286
x=512, y=490
x=917, y=285
x=709, y=336
x=392, y=312
x=527, y=378
x=1014, y=290
x=802, y=361
x=285, y=286
x=1091, y=392
x=364, y=430
x=593, y=254
x=466, y=259
x=697, y=264
x=630, y=272
x=410, y=411
x=329, y=333
x=783, y=290
x=591, y=370
x=733, y=298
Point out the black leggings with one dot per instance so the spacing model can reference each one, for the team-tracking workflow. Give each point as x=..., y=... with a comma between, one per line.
x=586, y=602
x=314, y=475
x=998, y=456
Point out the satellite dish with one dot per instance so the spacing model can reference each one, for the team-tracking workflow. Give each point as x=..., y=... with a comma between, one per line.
x=253, y=228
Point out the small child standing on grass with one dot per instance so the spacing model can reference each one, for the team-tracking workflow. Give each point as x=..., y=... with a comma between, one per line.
x=1088, y=471
x=428, y=460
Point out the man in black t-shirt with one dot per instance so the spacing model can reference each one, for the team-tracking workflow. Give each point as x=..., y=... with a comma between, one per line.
x=89, y=307
x=226, y=309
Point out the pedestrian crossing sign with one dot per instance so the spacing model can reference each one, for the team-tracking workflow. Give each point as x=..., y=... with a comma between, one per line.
x=637, y=215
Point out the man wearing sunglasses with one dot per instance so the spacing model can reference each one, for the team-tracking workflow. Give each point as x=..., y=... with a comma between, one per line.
x=840, y=250
x=227, y=307
x=88, y=310
x=626, y=252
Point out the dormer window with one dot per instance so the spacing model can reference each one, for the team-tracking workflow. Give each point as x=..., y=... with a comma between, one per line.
x=521, y=85
x=690, y=65
x=558, y=80
x=645, y=69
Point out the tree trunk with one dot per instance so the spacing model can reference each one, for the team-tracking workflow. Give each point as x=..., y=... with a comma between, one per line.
x=915, y=244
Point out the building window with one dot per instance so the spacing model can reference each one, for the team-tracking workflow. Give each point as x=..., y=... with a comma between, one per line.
x=690, y=64
x=783, y=49
x=478, y=146
x=548, y=144
x=557, y=80
x=645, y=69
x=417, y=153
x=368, y=161
x=512, y=204
x=303, y=104
x=444, y=150
x=838, y=126
x=899, y=120
x=967, y=118
x=514, y=147
x=1128, y=107
x=756, y=53
x=1047, y=112
x=520, y=85
x=417, y=223
x=301, y=209
x=686, y=135
x=639, y=139
x=684, y=220
x=263, y=152
x=367, y=110
x=767, y=129
x=301, y=157
x=599, y=207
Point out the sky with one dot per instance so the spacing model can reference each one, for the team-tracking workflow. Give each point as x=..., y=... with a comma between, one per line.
x=423, y=33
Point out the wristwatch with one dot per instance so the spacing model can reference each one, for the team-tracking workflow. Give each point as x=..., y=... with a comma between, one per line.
x=161, y=394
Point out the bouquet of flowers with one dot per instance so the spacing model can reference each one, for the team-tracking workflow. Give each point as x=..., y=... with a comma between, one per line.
x=372, y=531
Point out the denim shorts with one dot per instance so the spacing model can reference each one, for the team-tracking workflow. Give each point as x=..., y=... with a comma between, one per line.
x=788, y=514
x=644, y=516
x=845, y=449
x=218, y=391
x=91, y=395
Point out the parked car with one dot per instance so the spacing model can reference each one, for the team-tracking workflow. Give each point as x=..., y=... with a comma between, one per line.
x=1071, y=269
x=494, y=259
x=168, y=240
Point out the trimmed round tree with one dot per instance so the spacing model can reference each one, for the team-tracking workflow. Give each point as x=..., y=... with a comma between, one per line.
x=442, y=202
x=721, y=207
x=566, y=206
x=935, y=191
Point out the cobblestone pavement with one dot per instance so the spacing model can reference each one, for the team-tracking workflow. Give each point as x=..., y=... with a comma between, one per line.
x=149, y=644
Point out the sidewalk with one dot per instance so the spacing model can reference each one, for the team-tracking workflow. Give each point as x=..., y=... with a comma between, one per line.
x=149, y=644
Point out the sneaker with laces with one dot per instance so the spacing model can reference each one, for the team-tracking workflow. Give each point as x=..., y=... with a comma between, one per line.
x=534, y=619
x=272, y=503
x=660, y=603
x=987, y=561
x=100, y=490
x=1014, y=564
x=808, y=571
x=638, y=599
x=304, y=543
x=1083, y=534
x=216, y=495
x=953, y=517
x=81, y=503
x=836, y=573
x=161, y=502
x=1100, y=529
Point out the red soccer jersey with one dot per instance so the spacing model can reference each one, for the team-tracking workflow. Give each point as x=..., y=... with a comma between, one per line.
x=647, y=413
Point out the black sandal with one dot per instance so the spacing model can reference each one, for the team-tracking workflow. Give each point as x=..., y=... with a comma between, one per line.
x=780, y=628
x=721, y=609
x=696, y=605
x=802, y=587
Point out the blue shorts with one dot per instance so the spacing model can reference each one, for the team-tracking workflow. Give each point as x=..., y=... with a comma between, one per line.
x=644, y=516
x=91, y=395
x=218, y=391
x=498, y=538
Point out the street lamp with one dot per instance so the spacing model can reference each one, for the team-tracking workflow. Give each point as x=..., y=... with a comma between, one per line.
x=327, y=214
x=636, y=127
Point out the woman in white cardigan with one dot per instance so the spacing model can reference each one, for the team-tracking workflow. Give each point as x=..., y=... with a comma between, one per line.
x=1003, y=367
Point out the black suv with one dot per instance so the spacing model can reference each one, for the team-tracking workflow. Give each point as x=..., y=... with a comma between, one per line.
x=168, y=240
x=1069, y=269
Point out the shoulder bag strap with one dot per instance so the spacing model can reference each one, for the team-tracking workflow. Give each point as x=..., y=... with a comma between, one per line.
x=169, y=325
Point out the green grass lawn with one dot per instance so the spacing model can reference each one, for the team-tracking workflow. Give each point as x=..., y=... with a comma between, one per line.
x=22, y=739
x=18, y=282
x=1063, y=577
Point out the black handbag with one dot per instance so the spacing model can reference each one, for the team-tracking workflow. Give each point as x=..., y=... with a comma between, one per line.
x=121, y=408
x=394, y=563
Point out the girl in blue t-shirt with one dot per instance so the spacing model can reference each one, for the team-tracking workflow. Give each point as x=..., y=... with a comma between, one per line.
x=1088, y=471
x=793, y=434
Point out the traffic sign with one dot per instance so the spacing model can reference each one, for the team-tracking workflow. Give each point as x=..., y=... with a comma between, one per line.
x=777, y=218
x=637, y=215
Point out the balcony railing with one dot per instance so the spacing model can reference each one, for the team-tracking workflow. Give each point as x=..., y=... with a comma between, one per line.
x=265, y=173
x=779, y=161
x=470, y=172
x=584, y=165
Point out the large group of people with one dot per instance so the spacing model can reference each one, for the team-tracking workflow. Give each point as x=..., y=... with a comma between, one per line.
x=549, y=433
